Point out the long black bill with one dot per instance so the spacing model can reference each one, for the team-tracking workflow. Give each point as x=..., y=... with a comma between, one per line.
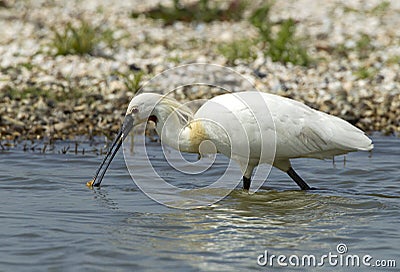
x=123, y=132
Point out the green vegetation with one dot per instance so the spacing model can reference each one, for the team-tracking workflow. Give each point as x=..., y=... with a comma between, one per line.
x=201, y=11
x=175, y=59
x=286, y=48
x=378, y=10
x=239, y=49
x=80, y=40
x=35, y=91
x=25, y=93
x=27, y=65
x=348, y=9
x=281, y=45
x=363, y=48
x=393, y=60
x=341, y=50
x=366, y=73
x=260, y=20
x=132, y=81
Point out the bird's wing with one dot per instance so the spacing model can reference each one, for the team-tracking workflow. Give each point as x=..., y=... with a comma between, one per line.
x=305, y=132
x=300, y=130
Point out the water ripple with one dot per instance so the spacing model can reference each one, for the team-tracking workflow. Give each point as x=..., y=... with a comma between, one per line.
x=51, y=221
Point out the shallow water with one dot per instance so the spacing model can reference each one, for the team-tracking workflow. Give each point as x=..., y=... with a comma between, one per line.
x=50, y=221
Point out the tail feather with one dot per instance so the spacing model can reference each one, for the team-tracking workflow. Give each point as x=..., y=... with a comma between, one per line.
x=349, y=137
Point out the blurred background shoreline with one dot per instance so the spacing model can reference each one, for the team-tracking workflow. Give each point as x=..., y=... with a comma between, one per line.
x=69, y=69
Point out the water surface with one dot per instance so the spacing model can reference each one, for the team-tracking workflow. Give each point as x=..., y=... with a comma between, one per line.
x=50, y=221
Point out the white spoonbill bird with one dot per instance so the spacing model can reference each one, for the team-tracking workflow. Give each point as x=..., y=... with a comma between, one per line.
x=270, y=122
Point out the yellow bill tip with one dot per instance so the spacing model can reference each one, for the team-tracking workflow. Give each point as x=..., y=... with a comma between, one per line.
x=90, y=183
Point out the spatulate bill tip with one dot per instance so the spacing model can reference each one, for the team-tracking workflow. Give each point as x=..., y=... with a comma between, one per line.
x=90, y=183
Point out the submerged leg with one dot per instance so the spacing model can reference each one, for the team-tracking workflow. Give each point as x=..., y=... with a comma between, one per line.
x=247, y=171
x=246, y=183
x=302, y=184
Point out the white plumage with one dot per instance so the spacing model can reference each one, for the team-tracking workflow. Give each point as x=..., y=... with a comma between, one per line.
x=249, y=127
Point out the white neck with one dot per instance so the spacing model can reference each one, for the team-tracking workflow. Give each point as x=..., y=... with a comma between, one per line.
x=175, y=132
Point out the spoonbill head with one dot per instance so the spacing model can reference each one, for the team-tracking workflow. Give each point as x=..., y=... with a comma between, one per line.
x=282, y=128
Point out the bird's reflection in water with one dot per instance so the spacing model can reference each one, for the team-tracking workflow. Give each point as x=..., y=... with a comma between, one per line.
x=106, y=202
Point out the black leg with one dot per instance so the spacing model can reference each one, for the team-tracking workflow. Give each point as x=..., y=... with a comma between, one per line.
x=246, y=183
x=302, y=184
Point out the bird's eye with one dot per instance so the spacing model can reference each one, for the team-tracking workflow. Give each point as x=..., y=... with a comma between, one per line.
x=135, y=110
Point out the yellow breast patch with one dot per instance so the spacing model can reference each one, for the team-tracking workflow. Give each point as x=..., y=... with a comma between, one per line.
x=197, y=134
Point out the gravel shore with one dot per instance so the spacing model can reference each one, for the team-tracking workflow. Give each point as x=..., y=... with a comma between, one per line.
x=355, y=75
